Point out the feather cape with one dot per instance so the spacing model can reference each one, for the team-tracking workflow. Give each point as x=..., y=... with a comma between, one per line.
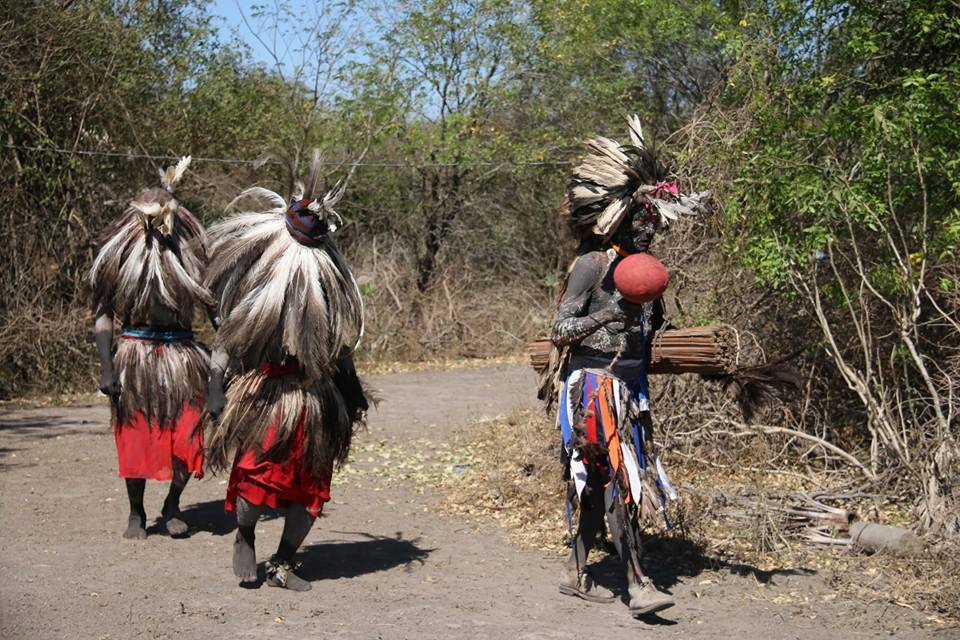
x=283, y=302
x=278, y=298
x=141, y=270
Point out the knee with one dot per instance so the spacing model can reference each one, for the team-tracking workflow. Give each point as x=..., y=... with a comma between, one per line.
x=247, y=514
x=180, y=473
x=298, y=513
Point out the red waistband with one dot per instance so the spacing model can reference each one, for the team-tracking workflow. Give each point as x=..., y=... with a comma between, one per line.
x=276, y=369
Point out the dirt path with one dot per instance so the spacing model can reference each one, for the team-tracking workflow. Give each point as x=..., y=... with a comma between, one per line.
x=383, y=564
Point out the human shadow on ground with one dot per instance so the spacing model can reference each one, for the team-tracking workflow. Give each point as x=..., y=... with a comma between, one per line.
x=210, y=517
x=352, y=558
x=44, y=426
x=668, y=559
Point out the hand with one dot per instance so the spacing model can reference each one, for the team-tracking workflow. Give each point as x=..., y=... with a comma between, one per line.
x=109, y=385
x=632, y=310
x=624, y=312
x=216, y=401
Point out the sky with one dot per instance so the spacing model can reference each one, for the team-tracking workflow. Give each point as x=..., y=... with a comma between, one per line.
x=304, y=21
x=229, y=16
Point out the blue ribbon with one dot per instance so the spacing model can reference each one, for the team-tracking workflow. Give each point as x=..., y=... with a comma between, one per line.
x=171, y=335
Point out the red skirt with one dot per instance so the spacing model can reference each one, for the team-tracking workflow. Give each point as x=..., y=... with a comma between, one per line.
x=147, y=451
x=277, y=484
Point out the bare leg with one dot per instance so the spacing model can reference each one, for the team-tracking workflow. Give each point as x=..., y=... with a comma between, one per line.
x=645, y=598
x=171, y=506
x=244, y=551
x=137, y=521
x=575, y=581
x=591, y=519
x=624, y=535
x=296, y=526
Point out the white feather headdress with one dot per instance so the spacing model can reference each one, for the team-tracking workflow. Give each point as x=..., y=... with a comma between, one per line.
x=153, y=254
x=613, y=179
x=171, y=176
x=158, y=215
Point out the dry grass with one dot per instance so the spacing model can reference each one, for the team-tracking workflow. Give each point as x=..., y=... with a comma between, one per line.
x=508, y=472
x=49, y=354
x=366, y=368
x=511, y=473
x=466, y=312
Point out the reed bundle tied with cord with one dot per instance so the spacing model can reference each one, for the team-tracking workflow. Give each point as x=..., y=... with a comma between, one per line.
x=705, y=350
x=712, y=349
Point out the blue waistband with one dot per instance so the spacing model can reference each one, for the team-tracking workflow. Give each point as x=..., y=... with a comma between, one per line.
x=166, y=335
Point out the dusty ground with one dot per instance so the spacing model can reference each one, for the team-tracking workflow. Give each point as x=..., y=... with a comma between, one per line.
x=383, y=563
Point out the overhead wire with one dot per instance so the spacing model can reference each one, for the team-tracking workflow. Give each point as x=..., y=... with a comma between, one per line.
x=240, y=161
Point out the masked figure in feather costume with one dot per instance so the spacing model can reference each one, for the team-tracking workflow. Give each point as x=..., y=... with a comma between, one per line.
x=149, y=271
x=292, y=315
x=617, y=200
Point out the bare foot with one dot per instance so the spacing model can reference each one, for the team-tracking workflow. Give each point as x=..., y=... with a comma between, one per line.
x=136, y=527
x=244, y=559
x=176, y=527
x=172, y=521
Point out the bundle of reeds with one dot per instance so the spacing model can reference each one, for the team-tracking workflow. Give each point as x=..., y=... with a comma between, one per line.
x=539, y=352
x=707, y=350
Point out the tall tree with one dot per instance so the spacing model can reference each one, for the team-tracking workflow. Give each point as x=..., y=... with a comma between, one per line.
x=451, y=59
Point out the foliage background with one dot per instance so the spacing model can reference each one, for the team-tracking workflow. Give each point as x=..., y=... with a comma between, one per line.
x=828, y=132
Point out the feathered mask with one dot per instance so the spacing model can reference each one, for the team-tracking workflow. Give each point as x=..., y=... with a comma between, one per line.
x=308, y=221
x=614, y=179
x=160, y=216
x=308, y=218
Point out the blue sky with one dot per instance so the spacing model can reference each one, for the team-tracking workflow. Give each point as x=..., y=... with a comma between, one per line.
x=299, y=21
x=229, y=15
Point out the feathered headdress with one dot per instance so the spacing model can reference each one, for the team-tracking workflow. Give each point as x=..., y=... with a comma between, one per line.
x=614, y=179
x=161, y=215
x=153, y=253
x=284, y=289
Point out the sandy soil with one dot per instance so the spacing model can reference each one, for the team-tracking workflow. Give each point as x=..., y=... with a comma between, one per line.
x=382, y=562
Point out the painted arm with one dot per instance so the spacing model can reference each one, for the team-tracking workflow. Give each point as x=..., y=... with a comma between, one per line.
x=103, y=336
x=351, y=389
x=216, y=399
x=572, y=323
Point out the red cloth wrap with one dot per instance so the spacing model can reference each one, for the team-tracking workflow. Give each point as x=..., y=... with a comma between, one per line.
x=276, y=484
x=147, y=451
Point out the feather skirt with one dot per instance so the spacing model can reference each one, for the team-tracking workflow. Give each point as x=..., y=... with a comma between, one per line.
x=159, y=378
x=258, y=401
